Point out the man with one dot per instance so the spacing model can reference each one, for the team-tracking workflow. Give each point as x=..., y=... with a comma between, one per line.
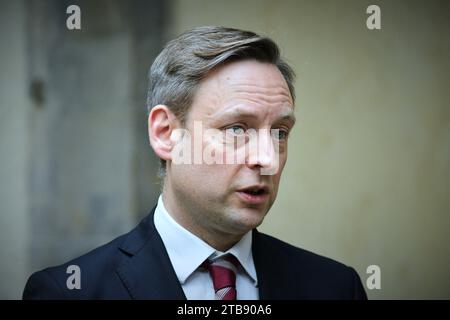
x=214, y=93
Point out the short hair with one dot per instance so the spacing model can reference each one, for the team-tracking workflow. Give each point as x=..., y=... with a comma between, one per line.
x=177, y=71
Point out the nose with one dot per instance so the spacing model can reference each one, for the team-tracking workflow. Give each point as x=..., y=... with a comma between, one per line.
x=263, y=152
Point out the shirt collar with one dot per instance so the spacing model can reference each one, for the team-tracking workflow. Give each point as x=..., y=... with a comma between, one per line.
x=187, y=251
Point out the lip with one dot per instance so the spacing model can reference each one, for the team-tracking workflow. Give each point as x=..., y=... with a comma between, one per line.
x=254, y=199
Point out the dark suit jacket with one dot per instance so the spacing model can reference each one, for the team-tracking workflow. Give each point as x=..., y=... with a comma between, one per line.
x=137, y=266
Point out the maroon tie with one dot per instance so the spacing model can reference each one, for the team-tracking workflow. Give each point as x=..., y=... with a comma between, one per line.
x=223, y=273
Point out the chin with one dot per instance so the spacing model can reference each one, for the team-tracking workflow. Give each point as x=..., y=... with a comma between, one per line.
x=248, y=218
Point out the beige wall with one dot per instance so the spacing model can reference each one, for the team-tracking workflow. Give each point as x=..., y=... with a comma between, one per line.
x=14, y=225
x=368, y=176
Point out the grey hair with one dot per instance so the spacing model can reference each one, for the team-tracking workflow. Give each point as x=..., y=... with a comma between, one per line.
x=186, y=60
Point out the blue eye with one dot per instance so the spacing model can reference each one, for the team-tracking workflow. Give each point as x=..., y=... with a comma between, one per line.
x=236, y=130
x=280, y=134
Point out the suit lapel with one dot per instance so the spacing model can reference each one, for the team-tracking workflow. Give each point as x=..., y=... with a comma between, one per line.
x=148, y=273
x=270, y=280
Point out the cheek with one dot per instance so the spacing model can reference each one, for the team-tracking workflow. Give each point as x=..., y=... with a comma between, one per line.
x=217, y=174
x=218, y=159
x=282, y=158
x=208, y=179
x=282, y=163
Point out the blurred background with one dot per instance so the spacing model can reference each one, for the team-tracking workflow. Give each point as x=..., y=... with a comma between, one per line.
x=368, y=176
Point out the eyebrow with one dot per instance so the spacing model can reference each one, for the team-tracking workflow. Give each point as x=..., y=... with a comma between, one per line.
x=240, y=111
x=288, y=116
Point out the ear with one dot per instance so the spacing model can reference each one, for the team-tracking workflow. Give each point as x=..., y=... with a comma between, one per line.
x=161, y=123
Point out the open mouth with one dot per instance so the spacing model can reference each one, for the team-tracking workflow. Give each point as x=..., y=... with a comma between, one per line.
x=254, y=191
x=254, y=194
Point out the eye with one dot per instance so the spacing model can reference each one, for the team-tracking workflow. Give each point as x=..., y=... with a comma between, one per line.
x=280, y=134
x=236, y=130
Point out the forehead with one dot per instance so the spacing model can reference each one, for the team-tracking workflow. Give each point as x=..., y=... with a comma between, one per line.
x=242, y=85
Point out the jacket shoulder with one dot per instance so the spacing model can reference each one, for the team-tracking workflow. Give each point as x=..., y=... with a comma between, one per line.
x=95, y=267
x=287, y=251
x=317, y=276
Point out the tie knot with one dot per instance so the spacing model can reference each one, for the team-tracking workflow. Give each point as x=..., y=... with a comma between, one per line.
x=223, y=274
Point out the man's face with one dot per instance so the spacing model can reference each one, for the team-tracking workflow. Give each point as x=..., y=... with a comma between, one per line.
x=236, y=99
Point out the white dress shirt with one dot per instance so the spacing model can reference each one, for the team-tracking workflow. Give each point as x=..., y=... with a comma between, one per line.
x=187, y=252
